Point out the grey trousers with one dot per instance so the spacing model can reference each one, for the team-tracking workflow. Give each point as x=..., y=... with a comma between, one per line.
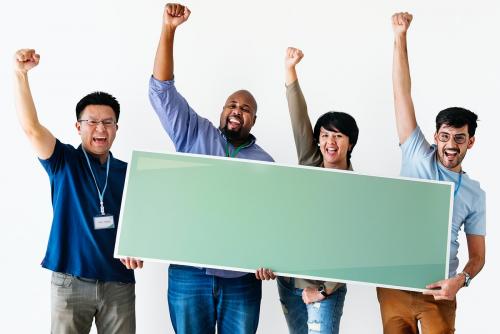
x=75, y=302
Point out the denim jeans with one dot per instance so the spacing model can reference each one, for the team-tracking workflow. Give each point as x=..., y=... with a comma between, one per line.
x=76, y=301
x=198, y=302
x=317, y=318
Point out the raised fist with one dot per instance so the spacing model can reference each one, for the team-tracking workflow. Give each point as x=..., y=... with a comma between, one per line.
x=401, y=22
x=292, y=57
x=25, y=60
x=175, y=14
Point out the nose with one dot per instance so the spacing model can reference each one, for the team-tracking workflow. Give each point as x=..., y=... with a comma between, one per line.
x=452, y=143
x=236, y=111
x=332, y=140
x=100, y=126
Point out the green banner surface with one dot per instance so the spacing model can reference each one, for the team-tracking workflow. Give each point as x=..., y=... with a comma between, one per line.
x=299, y=221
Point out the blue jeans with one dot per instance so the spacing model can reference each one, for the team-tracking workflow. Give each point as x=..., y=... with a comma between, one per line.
x=317, y=318
x=76, y=302
x=197, y=302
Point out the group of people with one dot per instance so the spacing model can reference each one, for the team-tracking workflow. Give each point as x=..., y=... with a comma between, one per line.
x=87, y=185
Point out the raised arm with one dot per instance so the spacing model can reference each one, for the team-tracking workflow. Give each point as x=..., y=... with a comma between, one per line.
x=173, y=16
x=401, y=80
x=307, y=152
x=41, y=139
x=293, y=56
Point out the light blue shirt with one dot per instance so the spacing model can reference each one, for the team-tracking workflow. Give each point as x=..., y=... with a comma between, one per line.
x=192, y=133
x=419, y=160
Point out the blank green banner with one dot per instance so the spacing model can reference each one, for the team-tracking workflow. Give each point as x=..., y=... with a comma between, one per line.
x=299, y=221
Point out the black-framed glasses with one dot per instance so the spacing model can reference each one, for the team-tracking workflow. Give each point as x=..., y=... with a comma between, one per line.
x=458, y=138
x=107, y=123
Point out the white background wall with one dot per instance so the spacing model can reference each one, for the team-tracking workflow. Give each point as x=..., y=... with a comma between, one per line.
x=226, y=45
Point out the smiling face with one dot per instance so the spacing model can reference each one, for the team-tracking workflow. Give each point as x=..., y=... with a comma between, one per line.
x=97, y=139
x=336, y=134
x=334, y=146
x=238, y=116
x=450, y=153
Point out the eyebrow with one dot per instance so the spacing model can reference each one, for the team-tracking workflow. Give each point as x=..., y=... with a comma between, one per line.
x=456, y=134
x=244, y=104
x=102, y=119
x=326, y=130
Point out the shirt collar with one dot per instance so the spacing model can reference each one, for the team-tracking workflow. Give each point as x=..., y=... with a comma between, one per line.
x=95, y=160
x=250, y=140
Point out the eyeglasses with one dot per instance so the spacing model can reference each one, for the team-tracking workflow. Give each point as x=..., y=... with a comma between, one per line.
x=458, y=138
x=107, y=123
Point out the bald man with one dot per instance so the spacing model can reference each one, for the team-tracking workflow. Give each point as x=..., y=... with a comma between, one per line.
x=200, y=298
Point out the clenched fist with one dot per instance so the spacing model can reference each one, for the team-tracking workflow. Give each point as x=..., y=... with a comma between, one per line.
x=401, y=22
x=175, y=14
x=293, y=57
x=25, y=60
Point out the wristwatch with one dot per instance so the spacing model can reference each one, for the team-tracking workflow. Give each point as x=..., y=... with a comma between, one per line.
x=322, y=290
x=467, y=278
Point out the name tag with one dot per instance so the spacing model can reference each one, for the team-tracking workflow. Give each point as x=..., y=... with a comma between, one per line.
x=103, y=222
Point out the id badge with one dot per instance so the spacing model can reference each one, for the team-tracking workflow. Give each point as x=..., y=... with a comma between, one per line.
x=104, y=222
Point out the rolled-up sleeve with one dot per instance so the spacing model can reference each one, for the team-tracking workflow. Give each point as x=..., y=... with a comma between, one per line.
x=179, y=120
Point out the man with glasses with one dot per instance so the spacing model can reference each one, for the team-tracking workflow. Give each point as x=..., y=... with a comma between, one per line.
x=87, y=186
x=455, y=129
x=199, y=299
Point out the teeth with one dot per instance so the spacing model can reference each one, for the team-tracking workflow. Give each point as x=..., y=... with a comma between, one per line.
x=234, y=120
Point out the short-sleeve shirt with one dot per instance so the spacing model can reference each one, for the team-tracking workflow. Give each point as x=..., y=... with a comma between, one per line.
x=75, y=247
x=419, y=160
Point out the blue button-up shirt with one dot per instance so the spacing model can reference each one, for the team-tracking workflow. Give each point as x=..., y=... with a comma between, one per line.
x=191, y=133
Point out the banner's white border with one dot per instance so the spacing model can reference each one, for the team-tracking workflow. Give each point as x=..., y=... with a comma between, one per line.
x=326, y=170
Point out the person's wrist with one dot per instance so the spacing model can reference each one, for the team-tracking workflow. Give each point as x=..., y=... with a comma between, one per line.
x=169, y=27
x=400, y=35
x=464, y=278
x=460, y=278
x=22, y=74
x=322, y=290
x=321, y=296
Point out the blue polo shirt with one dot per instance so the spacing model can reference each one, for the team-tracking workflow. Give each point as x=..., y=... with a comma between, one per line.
x=74, y=246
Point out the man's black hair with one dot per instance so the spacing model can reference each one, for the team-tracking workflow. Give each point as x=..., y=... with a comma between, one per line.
x=98, y=98
x=457, y=117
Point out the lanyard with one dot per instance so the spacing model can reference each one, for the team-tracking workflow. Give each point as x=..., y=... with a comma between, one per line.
x=101, y=195
x=457, y=185
x=236, y=151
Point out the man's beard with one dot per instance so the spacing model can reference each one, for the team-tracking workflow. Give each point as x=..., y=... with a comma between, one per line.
x=444, y=161
x=231, y=134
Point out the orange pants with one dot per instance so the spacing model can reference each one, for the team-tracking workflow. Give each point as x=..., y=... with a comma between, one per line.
x=401, y=310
